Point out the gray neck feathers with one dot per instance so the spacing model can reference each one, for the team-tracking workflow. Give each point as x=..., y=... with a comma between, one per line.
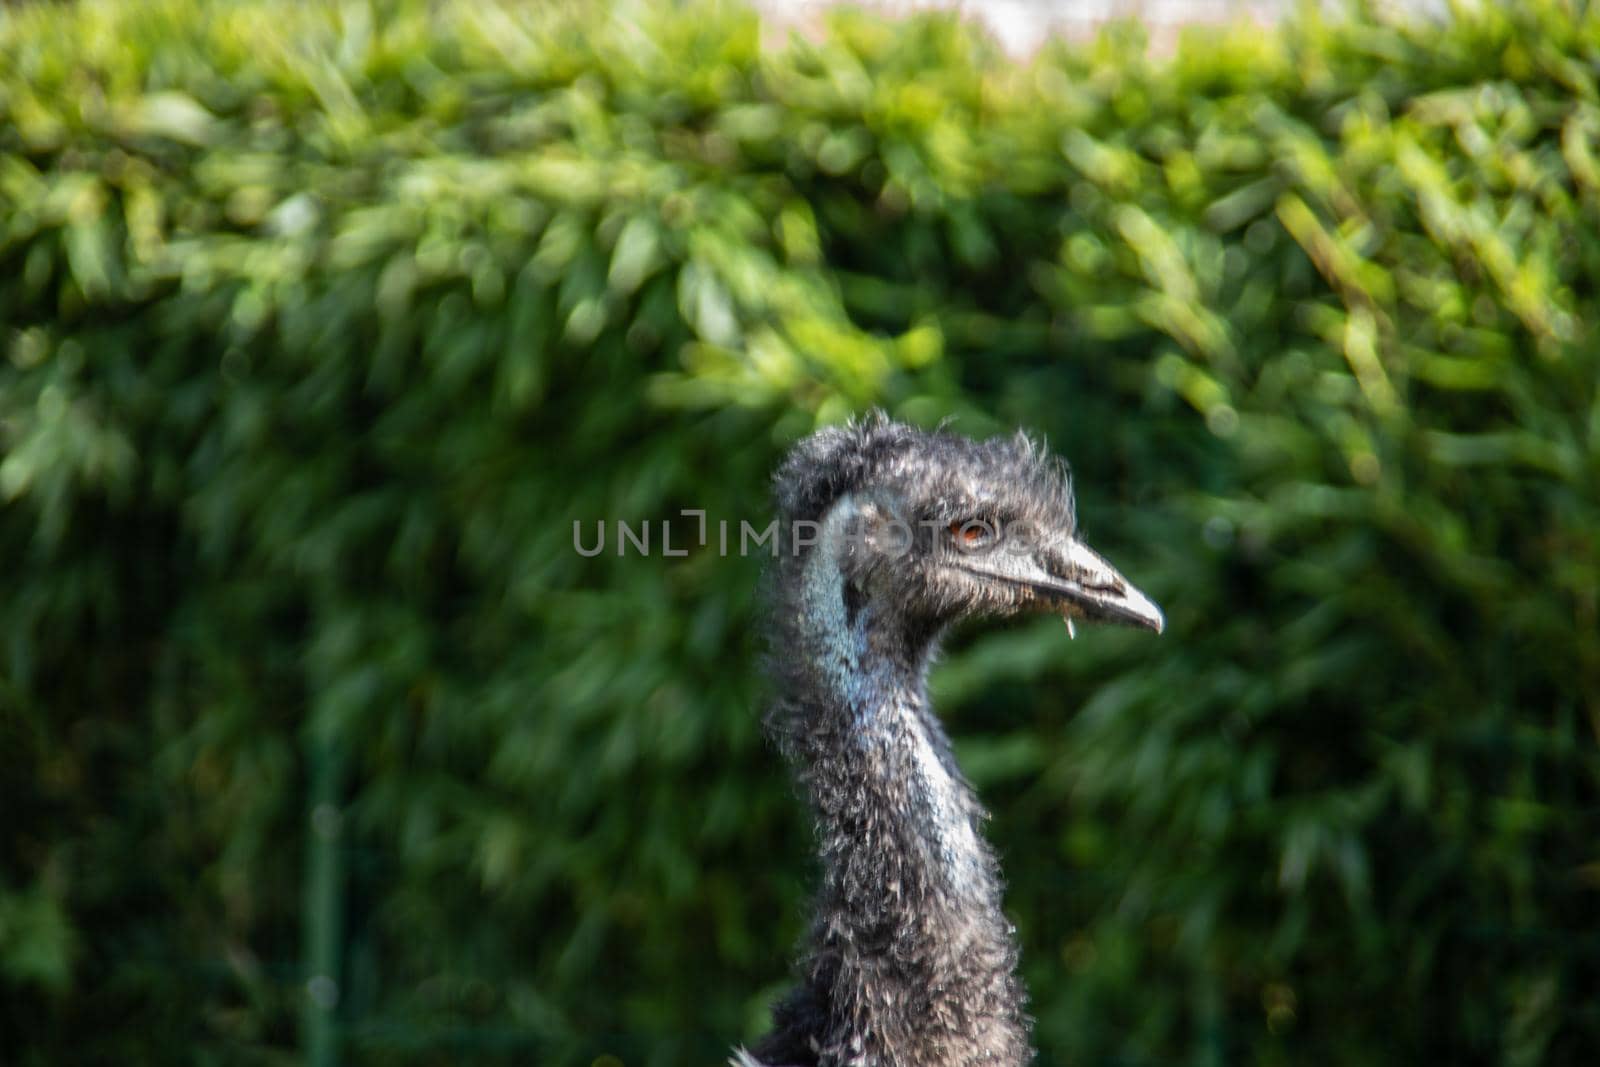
x=911, y=959
x=874, y=686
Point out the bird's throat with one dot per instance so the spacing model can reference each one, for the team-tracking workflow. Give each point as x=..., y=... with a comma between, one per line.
x=910, y=937
x=890, y=799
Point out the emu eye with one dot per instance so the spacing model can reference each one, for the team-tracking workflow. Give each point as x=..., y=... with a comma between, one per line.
x=970, y=534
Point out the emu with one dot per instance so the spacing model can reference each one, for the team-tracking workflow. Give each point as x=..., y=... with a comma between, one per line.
x=891, y=534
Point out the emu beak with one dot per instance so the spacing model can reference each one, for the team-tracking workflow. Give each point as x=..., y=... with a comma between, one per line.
x=1068, y=576
x=1081, y=584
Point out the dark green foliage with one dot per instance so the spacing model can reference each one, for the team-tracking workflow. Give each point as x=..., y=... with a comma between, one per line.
x=320, y=326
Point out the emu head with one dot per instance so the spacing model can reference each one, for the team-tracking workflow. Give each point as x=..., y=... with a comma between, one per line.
x=930, y=527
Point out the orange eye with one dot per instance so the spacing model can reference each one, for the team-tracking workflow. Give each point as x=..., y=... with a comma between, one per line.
x=972, y=533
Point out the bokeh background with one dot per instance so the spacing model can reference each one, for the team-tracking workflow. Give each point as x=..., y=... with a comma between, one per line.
x=321, y=324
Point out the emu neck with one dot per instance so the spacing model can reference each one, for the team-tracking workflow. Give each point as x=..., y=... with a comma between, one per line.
x=889, y=796
x=912, y=960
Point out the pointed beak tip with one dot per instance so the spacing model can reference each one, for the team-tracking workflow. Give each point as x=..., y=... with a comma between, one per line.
x=1139, y=610
x=1151, y=620
x=1155, y=619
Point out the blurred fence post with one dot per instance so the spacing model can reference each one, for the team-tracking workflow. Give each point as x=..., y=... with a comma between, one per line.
x=323, y=904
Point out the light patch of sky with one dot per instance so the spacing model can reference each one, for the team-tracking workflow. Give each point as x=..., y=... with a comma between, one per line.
x=1021, y=25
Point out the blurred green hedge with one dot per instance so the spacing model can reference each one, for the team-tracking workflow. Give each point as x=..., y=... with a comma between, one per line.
x=322, y=324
